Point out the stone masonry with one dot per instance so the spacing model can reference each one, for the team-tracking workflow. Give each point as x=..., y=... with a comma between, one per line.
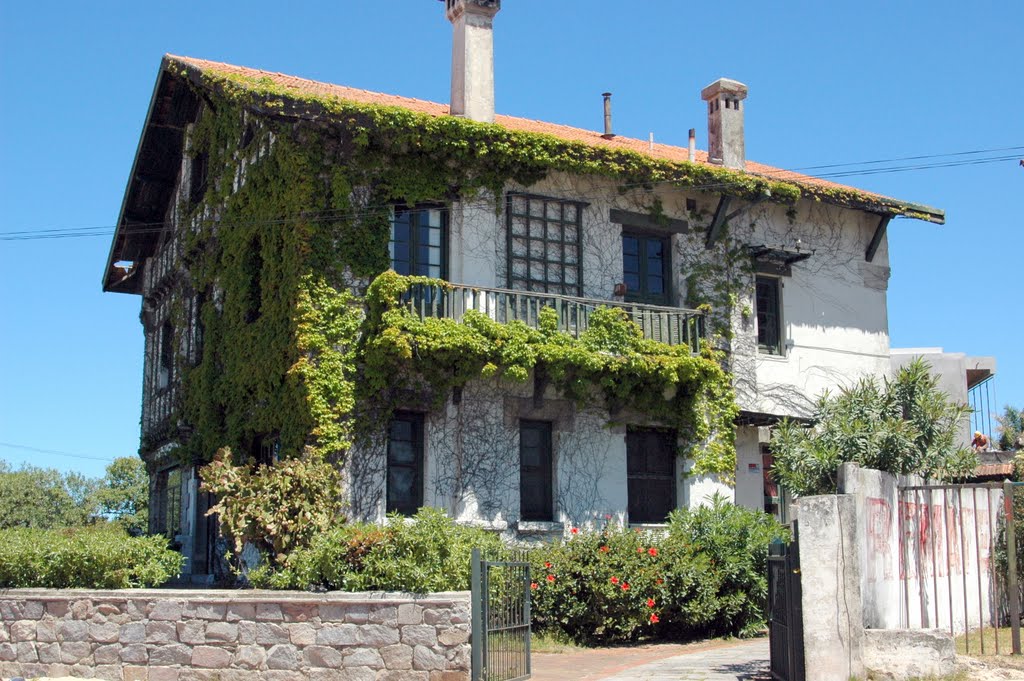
x=220, y=635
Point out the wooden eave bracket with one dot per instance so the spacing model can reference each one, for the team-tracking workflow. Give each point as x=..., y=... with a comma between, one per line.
x=876, y=239
x=721, y=219
x=717, y=225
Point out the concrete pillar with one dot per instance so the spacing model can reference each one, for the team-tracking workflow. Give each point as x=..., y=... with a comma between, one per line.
x=725, y=122
x=830, y=580
x=473, y=57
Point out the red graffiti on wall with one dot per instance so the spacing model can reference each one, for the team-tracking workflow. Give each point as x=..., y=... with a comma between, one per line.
x=879, y=536
x=939, y=541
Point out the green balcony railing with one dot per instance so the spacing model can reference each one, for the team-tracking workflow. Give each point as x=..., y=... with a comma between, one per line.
x=671, y=325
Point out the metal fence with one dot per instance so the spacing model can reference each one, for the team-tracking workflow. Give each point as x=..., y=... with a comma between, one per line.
x=671, y=325
x=958, y=563
x=501, y=617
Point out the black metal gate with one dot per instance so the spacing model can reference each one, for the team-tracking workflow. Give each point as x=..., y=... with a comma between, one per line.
x=501, y=617
x=786, y=623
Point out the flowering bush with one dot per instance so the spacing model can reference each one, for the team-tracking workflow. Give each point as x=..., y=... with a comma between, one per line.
x=707, y=576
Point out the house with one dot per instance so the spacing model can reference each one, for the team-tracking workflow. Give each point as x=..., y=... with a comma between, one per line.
x=966, y=379
x=270, y=225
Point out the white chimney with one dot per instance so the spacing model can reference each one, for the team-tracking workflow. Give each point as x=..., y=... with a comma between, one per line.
x=473, y=57
x=725, y=122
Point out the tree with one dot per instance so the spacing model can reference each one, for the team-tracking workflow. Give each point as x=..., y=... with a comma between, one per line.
x=1011, y=429
x=901, y=426
x=44, y=498
x=123, y=494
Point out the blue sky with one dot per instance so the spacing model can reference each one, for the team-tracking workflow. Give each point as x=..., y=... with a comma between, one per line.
x=829, y=83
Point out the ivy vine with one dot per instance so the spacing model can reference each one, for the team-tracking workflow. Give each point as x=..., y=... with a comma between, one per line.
x=298, y=342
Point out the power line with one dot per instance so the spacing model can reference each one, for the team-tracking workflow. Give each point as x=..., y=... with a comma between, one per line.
x=325, y=216
x=53, y=451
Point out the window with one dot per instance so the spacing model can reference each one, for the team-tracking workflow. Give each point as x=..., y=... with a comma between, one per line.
x=535, y=498
x=254, y=268
x=650, y=472
x=166, y=350
x=645, y=268
x=168, y=519
x=544, y=245
x=266, y=449
x=405, y=464
x=417, y=245
x=197, y=178
x=769, y=315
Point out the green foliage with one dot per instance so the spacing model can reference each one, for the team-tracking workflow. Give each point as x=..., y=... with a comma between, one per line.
x=492, y=153
x=610, y=363
x=123, y=494
x=102, y=557
x=1011, y=429
x=279, y=508
x=906, y=425
x=44, y=498
x=281, y=259
x=708, y=577
x=427, y=553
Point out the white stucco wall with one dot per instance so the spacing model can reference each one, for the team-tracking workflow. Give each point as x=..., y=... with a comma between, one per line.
x=834, y=315
x=941, y=572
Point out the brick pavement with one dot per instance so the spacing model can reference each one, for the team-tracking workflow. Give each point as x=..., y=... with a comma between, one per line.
x=712, y=661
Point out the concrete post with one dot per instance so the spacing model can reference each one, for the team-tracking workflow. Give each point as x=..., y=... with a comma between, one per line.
x=473, y=57
x=830, y=579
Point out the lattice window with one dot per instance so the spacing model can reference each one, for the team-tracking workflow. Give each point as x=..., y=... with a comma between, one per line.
x=544, y=245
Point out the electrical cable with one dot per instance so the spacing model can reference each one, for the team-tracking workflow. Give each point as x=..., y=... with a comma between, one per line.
x=155, y=227
x=53, y=451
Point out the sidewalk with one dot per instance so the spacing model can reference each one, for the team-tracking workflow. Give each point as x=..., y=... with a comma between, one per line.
x=712, y=661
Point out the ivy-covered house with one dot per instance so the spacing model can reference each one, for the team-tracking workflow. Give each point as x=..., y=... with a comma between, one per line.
x=529, y=325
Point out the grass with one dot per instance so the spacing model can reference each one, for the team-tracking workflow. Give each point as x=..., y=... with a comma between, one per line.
x=973, y=640
x=550, y=642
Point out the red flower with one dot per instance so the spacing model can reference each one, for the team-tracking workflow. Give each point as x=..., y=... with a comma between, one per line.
x=607, y=516
x=654, y=619
x=659, y=580
x=650, y=602
x=533, y=585
x=575, y=530
x=604, y=549
x=652, y=551
x=625, y=586
x=639, y=549
x=547, y=565
x=615, y=580
x=551, y=578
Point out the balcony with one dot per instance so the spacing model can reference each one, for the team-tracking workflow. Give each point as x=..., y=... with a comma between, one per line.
x=670, y=325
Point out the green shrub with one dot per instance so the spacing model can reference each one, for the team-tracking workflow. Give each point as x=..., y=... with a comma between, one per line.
x=102, y=557
x=706, y=577
x=424, y=554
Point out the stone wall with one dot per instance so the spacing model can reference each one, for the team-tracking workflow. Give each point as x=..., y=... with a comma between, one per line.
x=164, y=635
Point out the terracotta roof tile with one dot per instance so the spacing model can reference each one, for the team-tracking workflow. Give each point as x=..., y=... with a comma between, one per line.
x=659, y=151
x=994, y=470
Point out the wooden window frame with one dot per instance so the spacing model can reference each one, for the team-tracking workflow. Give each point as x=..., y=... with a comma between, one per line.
x=635, y=482
x=417, y=466
x=414, y=212
x=553, y=251
x=545, y=470
x=767, y=327
x=643, y=236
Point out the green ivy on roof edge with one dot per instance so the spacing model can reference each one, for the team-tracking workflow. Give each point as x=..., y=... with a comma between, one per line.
x=553, y=153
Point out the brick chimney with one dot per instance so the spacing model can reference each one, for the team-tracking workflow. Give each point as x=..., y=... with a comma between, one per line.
x=725, y=122
x=472, y=57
